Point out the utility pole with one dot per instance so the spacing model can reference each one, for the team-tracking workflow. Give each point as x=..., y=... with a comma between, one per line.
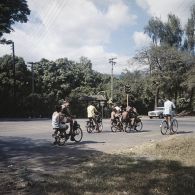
x=33, y=77
x=14, y=68
x=112, y=62
x=127, y=91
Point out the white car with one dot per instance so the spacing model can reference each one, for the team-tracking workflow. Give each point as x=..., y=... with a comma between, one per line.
x=158, y=112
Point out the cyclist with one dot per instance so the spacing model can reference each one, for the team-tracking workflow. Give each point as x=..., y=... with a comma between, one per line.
x=169, y=107
x=68, y=117
x=91, y=114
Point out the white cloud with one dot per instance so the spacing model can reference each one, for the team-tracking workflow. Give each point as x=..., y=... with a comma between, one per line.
x=161, y=8
x=141, y=39
x=65, y=28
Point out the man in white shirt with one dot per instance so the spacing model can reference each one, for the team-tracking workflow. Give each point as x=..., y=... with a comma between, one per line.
x=169, y=107
x=91, y=111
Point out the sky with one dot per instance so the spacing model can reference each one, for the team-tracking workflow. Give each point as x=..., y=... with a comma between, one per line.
x=96, y=29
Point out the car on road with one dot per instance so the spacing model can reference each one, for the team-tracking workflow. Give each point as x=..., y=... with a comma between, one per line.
x=158, y=112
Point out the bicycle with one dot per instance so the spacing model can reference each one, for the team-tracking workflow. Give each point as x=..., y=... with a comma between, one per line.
x=137, y=126
x=91, y=126
x=116, y=125
x=164, y=127
x=62, y=136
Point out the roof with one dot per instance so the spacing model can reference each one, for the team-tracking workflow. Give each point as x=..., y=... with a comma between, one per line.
x=93, y=98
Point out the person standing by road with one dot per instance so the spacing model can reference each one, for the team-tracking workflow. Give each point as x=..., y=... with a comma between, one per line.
x=169, y=108
x=91, y=111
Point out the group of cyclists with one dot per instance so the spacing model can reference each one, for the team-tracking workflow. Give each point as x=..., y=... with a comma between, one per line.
x=128, y=115
x=123, y=114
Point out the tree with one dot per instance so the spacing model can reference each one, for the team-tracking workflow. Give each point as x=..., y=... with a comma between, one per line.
x=172, y=32
x=23, y=87
x=155, y=29
x=169, y=32
x=190, y=32
x=11, y=12
x=168, y=69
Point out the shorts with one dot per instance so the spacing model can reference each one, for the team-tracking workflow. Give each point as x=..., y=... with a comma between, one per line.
x=63, y=126
x=167, y=115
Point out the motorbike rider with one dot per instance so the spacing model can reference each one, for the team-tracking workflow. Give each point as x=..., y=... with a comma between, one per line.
x=68, y=117
x=132, y=112
x=58, y=121
x=115, y=116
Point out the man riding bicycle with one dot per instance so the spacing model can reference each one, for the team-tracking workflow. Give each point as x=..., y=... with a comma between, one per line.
x=91, y=114
x=169, y=107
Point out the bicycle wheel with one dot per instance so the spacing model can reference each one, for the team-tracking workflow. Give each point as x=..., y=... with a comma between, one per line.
x=114, y=128
x=100, y=126
x=139, y=126
x=174, y=126
x=61, y=139
x=127, y=128
x=164, y=127
x=78, y=134
x=90, y=127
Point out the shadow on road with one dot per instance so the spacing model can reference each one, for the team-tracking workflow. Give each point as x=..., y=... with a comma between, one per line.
x=184, y=132
x=42, y=153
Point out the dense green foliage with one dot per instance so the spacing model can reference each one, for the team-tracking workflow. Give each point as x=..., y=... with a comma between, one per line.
x=11, y=12
x=53, y=81
x=171, y=69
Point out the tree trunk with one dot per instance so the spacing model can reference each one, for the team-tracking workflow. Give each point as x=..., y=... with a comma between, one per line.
x=175, y=98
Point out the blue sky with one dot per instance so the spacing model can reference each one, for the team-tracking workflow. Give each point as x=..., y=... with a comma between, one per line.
x=97, y=29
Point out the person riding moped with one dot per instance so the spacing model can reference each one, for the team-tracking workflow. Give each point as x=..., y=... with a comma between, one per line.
x=68, y=117
x=58, y=123
x=91, y=114
x=114, y=116
x=132, y=112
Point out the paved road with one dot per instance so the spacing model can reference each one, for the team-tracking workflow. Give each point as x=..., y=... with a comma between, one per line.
x=107, y=141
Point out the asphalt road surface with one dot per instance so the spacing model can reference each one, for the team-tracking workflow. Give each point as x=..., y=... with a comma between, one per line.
x=40, y=131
